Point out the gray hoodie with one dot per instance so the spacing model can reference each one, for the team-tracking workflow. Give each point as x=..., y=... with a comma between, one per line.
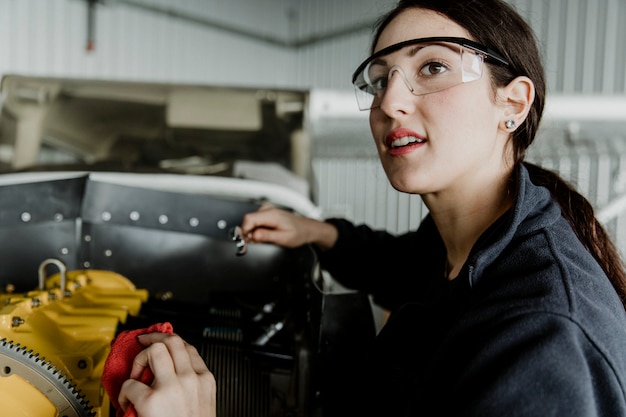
x=530, y=327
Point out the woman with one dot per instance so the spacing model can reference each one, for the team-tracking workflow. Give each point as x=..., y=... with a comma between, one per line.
x=508, y=299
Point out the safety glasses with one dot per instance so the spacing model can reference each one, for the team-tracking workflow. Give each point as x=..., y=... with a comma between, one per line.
x=425, y=65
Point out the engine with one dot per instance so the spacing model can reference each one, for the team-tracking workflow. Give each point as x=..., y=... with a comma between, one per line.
x=54, y=341
x=95, y=257
x=136, y=190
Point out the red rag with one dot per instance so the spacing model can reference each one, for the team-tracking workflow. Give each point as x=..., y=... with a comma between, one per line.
x=119, y=363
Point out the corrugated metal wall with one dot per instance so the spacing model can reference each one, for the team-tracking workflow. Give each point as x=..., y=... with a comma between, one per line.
x=583, y=43
x=596, y=166
x=307, y=44
x=288, y=43
x=212, y=42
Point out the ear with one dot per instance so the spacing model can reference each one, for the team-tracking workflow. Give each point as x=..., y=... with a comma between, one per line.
x=517, y=98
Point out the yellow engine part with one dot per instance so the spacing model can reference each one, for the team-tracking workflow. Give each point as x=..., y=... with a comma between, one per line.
x=57, y=339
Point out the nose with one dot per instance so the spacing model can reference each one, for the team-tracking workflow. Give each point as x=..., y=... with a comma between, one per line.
x=399, y=72
x=398, y=97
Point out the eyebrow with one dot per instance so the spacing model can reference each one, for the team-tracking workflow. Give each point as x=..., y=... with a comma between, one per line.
x=410, y=53
x=413, y=51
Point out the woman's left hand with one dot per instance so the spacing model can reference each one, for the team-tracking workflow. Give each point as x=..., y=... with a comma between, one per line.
x=182, y=384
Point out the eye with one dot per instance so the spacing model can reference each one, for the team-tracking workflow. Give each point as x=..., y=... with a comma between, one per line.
x=379, y=84
x=432, y=69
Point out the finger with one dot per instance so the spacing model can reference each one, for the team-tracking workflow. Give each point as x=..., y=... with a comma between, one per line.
x=147, y=339
x=197, y=362
x=265, y=217
x=266, y=206
x=171, y=350
x=183, y=356
x=260, y=234
x=252, y=222
x=178, y=350
x=267, y=235
x=131, y=392
x=157, y=358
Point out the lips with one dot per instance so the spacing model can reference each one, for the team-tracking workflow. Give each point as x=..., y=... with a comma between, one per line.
x=405, y=140
x=402, y=137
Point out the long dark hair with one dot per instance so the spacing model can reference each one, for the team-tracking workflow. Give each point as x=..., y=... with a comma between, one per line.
x=498, y=26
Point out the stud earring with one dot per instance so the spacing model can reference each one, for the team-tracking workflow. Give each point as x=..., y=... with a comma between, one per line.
x=510, y=124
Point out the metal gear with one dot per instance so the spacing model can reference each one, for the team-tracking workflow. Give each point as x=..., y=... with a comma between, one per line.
x=39, y=387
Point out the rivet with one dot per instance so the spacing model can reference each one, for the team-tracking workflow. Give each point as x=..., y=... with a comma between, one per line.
x=26, y=217
x=194, y=222
x=163, y=219
x=134, y=216
x=64, y=251
x=58, y=217
x=106, y=216
x=164, y=295
x=108, y=253
x=221, y=224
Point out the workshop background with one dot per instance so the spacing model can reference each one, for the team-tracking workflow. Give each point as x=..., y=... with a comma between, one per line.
x=314, y=45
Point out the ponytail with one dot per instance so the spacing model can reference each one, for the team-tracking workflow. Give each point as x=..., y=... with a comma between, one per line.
x=579, y=213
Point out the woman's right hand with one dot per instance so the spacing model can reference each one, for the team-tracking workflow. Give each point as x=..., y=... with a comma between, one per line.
x=273, y=225
x=182, y=385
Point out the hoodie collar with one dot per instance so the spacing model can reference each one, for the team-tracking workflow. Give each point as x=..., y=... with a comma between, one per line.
x=533, y=209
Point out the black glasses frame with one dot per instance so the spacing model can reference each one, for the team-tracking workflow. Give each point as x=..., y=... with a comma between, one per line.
x=487, y=52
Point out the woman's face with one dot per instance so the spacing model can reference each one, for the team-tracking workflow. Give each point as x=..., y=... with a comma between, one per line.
x=459, y=146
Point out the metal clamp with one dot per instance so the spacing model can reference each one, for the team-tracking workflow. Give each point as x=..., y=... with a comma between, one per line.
x=236, y=236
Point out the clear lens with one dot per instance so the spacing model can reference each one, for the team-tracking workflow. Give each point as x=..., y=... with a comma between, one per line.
x=423, y=68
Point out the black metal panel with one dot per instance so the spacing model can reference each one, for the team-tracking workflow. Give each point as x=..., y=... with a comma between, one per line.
x=24, y=247
x=107, y=203
x=189, y=266
x=163, y=241
x=41, y=202
x=37, y=221
x=175, y=243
